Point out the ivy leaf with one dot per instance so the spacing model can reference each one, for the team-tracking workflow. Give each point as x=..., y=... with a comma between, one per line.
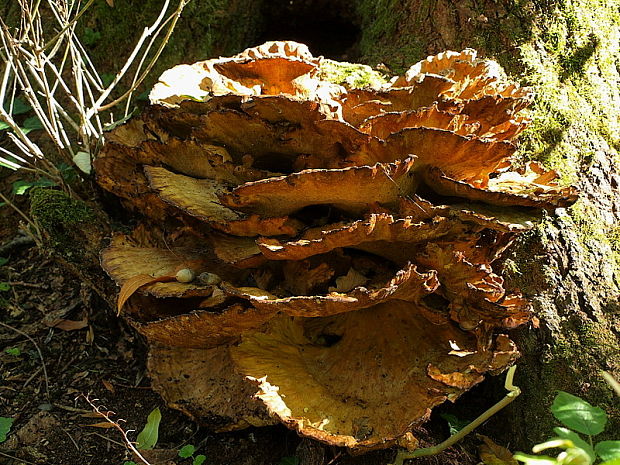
x=578, y=414
x=107, y=78
x=187, y=451
x=5, y=427
x=31, y=124
x=148, y=436
x=608, y=450
x=565, y=433
x=199, y=459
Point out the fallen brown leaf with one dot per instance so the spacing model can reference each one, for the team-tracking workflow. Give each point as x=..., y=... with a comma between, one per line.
x=133, y=284
x=67, y=325
x=103, y=424
x=493, y=454
x=109, y=386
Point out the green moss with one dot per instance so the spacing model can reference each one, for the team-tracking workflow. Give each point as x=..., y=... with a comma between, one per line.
x=350, y=75
x=382, y=41
x=61, y=217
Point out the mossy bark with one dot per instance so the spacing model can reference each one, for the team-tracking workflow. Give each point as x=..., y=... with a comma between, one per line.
x=568, y=50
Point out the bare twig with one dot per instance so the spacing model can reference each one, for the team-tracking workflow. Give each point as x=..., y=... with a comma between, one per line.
x=107, y=416
x=17, y=459
x=107, y=439
x=34, y=66
x=72, y=440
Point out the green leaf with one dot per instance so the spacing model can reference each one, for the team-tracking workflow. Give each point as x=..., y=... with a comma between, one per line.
x=608, y=450
x=31, y=124
x=5, y=287
x=454, y=423
x=9, y=162
x=3, y=126
x=535, y=459
x=566, y=433
x=578, y=414
x=14, y=351
x=91, y=36
x=289, y=461
x=148, y=436
x=5, y=427
x=19, y=107
x=82, y=161
x=20, y=187
x=187, y=451
x=612, y=462
x=129, y=462
x=3, y=261
x=199, y=459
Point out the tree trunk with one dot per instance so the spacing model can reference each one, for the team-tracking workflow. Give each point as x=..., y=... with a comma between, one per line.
x=569, y=266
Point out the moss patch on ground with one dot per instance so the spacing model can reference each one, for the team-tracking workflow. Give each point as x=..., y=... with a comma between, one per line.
x=61, y=217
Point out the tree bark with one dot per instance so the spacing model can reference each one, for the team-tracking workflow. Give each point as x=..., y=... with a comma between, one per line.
x=569, y=266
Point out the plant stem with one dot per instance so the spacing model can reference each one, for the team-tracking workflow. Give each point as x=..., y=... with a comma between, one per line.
x=513, y=393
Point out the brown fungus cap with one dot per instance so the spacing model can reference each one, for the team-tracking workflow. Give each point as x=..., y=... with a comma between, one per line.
x=334, y=246
x=361, y=379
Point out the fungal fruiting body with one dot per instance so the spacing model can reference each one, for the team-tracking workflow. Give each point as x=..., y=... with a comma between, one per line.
x=341, y=241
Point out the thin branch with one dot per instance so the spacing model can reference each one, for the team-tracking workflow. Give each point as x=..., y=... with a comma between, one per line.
x=106, y=415
x=147, y=32
x=68, y=25
x=163, y=44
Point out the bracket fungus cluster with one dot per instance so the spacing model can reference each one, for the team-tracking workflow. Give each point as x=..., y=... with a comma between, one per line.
x=319, y=255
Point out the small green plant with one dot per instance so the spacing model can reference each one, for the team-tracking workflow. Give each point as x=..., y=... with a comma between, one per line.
x=3, y=261
x=14, y=351
x=455, y=424
x=188, y=451
x=577, y=416
x=91, y=37
x=148, y=436
x=5, y=427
